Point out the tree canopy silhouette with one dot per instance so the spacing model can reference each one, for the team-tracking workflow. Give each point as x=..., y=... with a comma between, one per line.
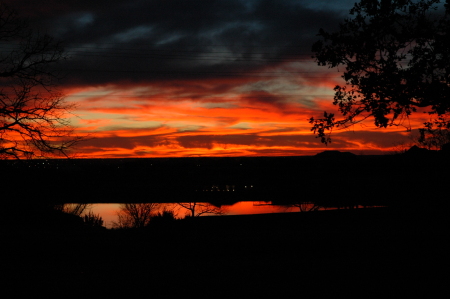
x=135, y=215
x=32, y=112
x=396, y=58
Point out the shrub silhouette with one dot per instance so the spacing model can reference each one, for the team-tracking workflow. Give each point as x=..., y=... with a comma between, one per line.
x=164, y=217
x=93, y=220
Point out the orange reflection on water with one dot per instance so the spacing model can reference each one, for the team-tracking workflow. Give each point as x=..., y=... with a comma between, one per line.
x=108, y=211
x=254, y=207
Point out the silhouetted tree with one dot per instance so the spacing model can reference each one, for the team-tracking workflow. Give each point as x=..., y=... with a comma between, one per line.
x=76, y=209
x=135, y=215
x=92, y=220
x=434, y=138
x=396, y=58
x=195, y=209
x=32, y=111
x=306, y=206
x=163, y=217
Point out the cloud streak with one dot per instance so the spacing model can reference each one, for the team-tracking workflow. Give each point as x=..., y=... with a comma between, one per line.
x=197, y=78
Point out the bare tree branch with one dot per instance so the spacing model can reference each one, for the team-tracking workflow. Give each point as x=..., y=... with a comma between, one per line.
x=135, y=215
x=33, y=113
x=196, y=209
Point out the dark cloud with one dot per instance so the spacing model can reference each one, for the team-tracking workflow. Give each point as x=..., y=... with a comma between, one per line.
x=341, y=140
x=123, y=142
x=214, y=55
x=264, y=98
x=254, y=140
x=111, y=42
x=209, y=141
x=376, y=138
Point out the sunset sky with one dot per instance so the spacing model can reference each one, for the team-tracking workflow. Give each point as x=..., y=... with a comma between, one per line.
x=200, y=78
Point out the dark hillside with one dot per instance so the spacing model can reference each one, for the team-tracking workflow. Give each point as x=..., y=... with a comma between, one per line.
x=332, y=181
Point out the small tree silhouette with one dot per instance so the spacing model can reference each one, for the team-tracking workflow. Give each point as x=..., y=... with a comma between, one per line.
x=76, y=209
x=92, y=220
x=135, y=215
x=163, y=217
x=306, y=206
x=196, y=209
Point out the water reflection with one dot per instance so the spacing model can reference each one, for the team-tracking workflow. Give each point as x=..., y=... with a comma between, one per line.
x=114, y=213
x=196, y=209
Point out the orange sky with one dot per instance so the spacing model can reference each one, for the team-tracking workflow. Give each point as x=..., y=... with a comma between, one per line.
x=227, y=117
x=201, y=78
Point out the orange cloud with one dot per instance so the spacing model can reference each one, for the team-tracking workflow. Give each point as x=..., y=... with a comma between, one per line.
x=219, y=117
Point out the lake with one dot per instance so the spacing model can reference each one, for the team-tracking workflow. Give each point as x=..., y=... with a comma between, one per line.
x=109, y=211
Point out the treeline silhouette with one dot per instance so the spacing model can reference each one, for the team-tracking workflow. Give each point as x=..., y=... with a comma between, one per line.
x=335, y=180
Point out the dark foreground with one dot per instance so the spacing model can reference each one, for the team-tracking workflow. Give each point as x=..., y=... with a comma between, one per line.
x=365, y=252
x=400, y=250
